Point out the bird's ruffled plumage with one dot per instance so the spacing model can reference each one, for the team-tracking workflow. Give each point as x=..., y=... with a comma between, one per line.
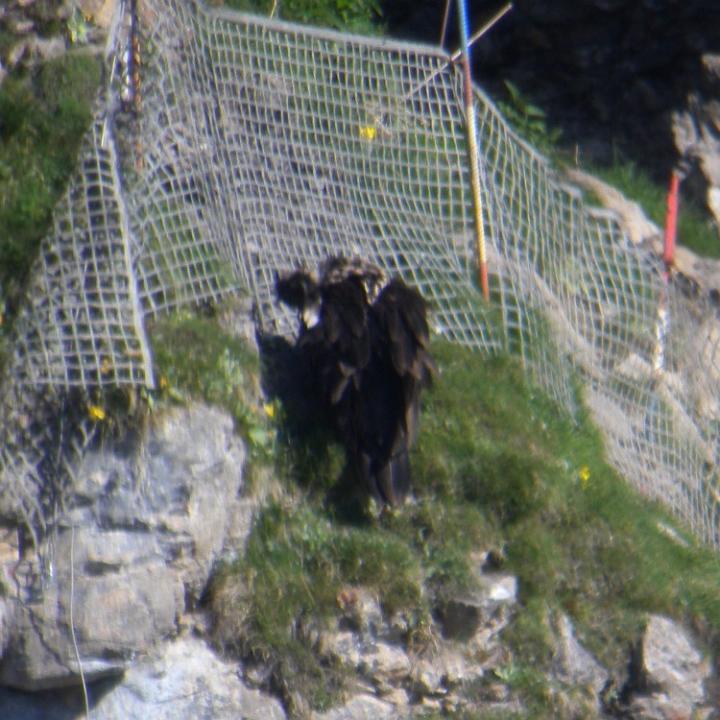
x=368, y=354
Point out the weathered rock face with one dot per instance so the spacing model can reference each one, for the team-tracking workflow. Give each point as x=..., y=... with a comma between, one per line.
x=35, y=31
x=575, y=667
x=186, y=681
x=397, y=680
x=132, y=551
x=134, y=548
x=669, y=674
x=696, y=132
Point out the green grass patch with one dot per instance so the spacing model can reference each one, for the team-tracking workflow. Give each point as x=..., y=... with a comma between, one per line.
x=359, y=16
x=42, y=121
x=195, y=358
x=695, y=230
x=287, y=584
x=497, y=466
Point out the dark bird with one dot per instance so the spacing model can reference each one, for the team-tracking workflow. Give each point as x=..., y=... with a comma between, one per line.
x=366, y=343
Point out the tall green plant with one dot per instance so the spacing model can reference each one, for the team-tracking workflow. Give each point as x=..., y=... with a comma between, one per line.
x=361, y=16
x=528, y=120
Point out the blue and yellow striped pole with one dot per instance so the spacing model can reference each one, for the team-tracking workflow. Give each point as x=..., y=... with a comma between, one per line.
x=473, y=152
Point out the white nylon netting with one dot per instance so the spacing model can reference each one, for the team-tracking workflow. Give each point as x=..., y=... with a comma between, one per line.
x=263, y=145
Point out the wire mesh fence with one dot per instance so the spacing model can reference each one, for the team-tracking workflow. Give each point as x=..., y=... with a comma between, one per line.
x=254, y=145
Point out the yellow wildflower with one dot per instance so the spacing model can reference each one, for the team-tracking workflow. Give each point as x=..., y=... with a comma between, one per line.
x=163, y=383
x=96, y=413
x=269, y=409
x=368, y=132
x=584, y=475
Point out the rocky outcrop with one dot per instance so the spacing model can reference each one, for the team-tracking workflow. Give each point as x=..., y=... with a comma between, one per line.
x=128, y=558
x=577, y=669
x=464, y=649
x=668, y=674
x=181, y=680
x=116, y=607
x=696, y=132
x=35, y=31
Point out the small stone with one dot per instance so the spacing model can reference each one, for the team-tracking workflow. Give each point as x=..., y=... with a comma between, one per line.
x=385, y=662
x=21, y=27
x=257, y=675
x=360, y=707
x=15, y=54
x=396, y=629
x=450, y=704
x=572, y=663
x=445, y=670
x=462, y=616
x=397, y=696
x=495, y=692
x=454, y=668
x=342, y=646
x=427, y=677
x=432, y=704
x=713, y=201
x=361, y=609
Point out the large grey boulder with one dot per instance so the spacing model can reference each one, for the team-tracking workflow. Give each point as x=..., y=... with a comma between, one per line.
x=183, y=680
x=187, y=682
x=131, y=552
x=670, y=674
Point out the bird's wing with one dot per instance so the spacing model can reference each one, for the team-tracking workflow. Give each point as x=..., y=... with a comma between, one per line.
x=400, y=319
x=345, y=320
x=401, y=316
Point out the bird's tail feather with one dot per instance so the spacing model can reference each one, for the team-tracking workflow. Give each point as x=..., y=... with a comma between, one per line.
x=392, y=481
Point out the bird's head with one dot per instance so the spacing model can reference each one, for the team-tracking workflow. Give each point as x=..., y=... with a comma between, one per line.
x=339, y=268
x=299, y=290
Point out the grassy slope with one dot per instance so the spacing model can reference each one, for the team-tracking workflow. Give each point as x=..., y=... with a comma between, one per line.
x=42, y=120
x=497, y=466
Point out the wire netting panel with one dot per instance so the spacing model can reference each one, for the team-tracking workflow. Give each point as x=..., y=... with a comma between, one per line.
x=174, y=186
x=259, y=146
x=363, y=172
x=81, y=324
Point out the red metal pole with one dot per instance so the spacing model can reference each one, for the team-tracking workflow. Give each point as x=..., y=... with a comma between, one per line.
x=671, y=221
